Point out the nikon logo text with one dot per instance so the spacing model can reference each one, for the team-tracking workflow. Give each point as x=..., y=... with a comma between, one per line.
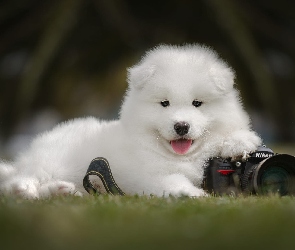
x=263, y=155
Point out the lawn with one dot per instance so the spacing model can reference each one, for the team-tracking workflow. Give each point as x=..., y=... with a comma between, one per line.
x=113, y=222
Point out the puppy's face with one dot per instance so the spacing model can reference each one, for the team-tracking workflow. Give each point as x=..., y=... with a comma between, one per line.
x=176, y=103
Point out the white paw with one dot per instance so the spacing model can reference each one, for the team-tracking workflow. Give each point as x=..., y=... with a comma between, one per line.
x=23, y=187
x=179, y=185
x=57, y=188
x=240, y=142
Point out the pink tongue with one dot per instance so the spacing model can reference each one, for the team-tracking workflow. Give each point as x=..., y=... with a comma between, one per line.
x=181, y=146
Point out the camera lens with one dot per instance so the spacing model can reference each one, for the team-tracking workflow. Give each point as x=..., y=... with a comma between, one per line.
x=274, y=175
x=275, y=179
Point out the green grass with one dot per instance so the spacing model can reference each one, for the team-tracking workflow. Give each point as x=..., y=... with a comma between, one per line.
x=108, y=222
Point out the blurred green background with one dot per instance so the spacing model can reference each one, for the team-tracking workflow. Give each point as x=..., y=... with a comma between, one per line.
x=61, y=59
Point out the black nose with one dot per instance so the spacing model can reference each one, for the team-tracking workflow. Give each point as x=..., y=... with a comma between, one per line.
x=181, y=128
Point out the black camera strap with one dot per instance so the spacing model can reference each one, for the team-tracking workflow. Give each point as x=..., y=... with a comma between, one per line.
x=101, y=168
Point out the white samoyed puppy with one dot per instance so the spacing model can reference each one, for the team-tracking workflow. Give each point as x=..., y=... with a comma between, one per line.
x=180, y=109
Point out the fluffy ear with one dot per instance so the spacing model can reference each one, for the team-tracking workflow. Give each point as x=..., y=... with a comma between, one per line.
x=138, y=75
x=223, y=76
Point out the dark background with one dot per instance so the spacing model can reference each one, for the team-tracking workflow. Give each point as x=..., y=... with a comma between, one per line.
x=61, y=59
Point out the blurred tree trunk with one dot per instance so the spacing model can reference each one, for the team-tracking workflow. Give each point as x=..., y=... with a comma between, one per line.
x=48, y=47
x=116, y=14
x=228, y=18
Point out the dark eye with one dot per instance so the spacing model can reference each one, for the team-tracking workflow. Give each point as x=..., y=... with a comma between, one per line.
x=197, y=103
x=165, y=103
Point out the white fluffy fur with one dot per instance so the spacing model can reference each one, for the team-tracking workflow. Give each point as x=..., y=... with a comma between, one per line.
x=137, y=145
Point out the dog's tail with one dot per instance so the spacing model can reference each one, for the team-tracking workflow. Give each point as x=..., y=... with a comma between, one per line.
x=6, y=171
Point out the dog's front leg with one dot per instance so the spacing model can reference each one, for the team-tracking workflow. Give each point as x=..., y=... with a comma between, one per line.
x=179, y=185
x=239, y=142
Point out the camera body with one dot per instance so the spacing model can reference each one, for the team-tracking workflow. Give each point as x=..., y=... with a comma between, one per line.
x=262, y=172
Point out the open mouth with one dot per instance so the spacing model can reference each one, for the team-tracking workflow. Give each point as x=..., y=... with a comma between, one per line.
x=181, y=146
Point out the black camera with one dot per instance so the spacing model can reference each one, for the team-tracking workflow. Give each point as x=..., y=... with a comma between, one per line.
x=260, y=173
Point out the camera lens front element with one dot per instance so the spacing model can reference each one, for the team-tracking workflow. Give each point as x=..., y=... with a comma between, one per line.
x=275, y=179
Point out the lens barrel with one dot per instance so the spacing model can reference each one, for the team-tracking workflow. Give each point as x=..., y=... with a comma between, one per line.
x=274, y=175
